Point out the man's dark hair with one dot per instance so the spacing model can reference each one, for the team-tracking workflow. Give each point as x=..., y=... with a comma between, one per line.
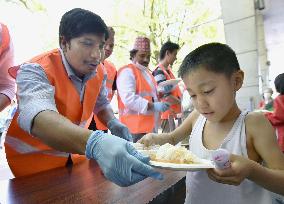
x=168, y=46
x=132, y=53
x=215, y=57
x=77, y=22
x=110, y=31
x=279, y=83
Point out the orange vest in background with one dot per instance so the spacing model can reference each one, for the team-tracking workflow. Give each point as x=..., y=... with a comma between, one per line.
x=28, y=155
x=135, y=121
x=5, y=41
x=111, y=73
x=176, y=93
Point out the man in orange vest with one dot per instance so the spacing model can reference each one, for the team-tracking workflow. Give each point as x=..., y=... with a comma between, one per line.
x=137, y=94
x=7, y=83
x=57, y=93
x=162, y=73
x=110, y=71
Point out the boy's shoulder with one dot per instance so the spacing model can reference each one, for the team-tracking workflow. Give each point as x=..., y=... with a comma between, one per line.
x=255, y=115
x=255, y=122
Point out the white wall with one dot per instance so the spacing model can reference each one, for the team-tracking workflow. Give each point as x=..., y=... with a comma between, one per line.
x=273, y=17
x=242, y=27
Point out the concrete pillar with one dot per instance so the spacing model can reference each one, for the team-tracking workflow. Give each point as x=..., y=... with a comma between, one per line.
x=242, y=25
x=263, y=65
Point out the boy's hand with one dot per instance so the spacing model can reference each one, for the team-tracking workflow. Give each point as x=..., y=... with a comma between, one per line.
x=240, y=169
x=153, y=138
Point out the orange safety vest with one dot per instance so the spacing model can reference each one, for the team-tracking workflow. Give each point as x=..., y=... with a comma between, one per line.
x=27, y=154
x=135, y=121
x=111, y=73
x=5, y=39
x=176, y=108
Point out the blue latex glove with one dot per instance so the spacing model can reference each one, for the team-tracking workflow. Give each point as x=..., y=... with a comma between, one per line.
x=118, y=129
x=119, y=160
x=167, y=89
x=161, y=106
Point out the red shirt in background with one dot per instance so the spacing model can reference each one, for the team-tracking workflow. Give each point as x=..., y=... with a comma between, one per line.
x=277, y=119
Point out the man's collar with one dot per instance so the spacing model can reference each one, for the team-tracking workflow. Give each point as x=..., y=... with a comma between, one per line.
x=68, y=69
x=166, y=67
x=139, y=66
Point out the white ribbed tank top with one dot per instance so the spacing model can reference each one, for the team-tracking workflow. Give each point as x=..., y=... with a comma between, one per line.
x=202, y=190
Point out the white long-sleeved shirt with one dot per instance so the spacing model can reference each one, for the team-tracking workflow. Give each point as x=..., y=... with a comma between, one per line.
x=126, y=87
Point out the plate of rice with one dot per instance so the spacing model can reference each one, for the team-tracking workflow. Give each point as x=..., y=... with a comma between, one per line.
x=176, y=158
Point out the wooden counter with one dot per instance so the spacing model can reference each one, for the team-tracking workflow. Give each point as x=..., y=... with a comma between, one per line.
x=83, y=183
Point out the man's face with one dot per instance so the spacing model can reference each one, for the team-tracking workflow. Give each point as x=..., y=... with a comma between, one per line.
x=172, y=56
x=84, y=53
x=142, y=57
x=267, y=95
x=109, y=45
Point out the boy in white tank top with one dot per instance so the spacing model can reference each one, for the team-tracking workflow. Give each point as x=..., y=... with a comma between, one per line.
x=212, y=76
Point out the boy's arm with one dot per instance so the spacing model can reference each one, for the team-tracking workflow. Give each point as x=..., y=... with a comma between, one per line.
x=173, y=137
x=266, y=146
x=261, y=146
x=184, y=129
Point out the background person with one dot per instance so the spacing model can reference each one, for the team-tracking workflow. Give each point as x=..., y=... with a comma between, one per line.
x=111, y=73
x=277, y=116
x=162, y=73
x=7, y=83
x=267, y=102
x=137, y=92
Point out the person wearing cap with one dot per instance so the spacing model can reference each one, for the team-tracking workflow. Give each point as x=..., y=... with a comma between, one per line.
x=7, y=83
x=57, y=93
x=276, y=117
x=267, y=102
x=163, y=72
x=111, y=72
x=138, y=103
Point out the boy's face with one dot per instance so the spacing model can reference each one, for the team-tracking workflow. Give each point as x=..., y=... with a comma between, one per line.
x=84, y=53
x=212, y=94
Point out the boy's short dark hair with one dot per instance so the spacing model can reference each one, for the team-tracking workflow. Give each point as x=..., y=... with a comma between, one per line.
x=168, y=46
x=215, y=57
x=279, y=83
x=77, y=22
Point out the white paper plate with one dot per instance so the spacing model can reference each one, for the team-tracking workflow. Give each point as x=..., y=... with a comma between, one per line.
x=203, y=165
x=173, y=82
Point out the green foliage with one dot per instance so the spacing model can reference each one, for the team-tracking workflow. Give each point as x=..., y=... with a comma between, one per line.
x=181, y=21
x=32, y=5
x=189, y=23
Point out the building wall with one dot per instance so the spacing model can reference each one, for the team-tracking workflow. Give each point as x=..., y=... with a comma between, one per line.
x=243, y=26
x=273, y=17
